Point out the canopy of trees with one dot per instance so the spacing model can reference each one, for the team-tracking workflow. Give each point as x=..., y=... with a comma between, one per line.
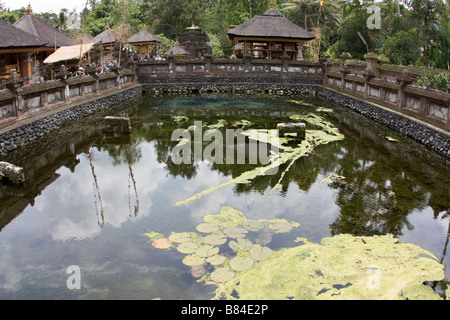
x=412, y=32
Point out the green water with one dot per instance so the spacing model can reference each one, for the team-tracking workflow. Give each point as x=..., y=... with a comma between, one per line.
x=91, y=197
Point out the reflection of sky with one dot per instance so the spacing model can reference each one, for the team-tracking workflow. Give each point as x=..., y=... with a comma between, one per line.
x=62, y=229
x=72, y=203
x=428, y=233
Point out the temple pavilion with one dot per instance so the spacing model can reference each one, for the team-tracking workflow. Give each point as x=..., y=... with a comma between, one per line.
x=269, y=36
x=17, y=50
x=108, y=39
x=143, y=41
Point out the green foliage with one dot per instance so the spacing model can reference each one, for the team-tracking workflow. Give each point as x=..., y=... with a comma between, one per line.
x=9, y=16
x=349, y=39
x=412, y=31
x=216, y=46
x=439, y=81
x=403, y=47
x=165, y=45
x=440, y=46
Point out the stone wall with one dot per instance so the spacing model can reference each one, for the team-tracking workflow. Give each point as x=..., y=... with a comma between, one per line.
x=16, y=101
x=434, y=138
x=249, y=84
x=370, y=81
x=14, y=138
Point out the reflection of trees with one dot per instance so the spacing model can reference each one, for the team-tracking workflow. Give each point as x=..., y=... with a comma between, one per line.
x=97, y=195
x=378, y=195
x=125, y=149
x=382, y=189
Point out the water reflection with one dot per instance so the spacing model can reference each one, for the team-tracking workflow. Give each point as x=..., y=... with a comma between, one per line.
x=86, y=189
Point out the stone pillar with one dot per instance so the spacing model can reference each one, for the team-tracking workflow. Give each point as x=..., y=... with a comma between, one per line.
x=300, y=51
x=372, y=63
x=403, y=81
x=208, y=62
x=326, y=64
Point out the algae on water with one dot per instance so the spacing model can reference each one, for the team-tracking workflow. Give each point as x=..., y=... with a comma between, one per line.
x=339, y=267
x=326, y=133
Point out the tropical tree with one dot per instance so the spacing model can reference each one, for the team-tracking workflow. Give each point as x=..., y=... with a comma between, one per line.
x=440, y=47
x=314, y=13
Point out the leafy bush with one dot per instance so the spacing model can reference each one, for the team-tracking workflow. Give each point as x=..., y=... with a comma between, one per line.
x=439, y=81
x=403, y=47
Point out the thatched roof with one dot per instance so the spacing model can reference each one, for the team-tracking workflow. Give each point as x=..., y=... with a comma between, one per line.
x=68, y=53
x=271, y=24
x=143, y=37
x=106, y=37
x=12, y=37
x=44, y=32
x=177, y=50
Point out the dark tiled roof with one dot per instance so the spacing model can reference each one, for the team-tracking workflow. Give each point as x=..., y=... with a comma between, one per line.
x=44, y=32
x=143, y=36
x=107, y=36
x=271, y=24
x=177, y=50
x=12, y=37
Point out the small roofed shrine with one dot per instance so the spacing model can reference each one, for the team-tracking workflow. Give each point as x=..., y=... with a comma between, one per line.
x=108, y=39
x=195, y=41
x=17, y=51
x=269, y=36
x=178, y=51
x=144, y=41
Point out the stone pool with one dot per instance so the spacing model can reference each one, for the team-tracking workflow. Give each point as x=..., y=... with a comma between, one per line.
x=137, y=225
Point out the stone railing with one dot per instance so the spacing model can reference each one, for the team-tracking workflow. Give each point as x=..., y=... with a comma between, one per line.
x=397, y=91
x=365, y=80
x=17, y=100
x=208, y=65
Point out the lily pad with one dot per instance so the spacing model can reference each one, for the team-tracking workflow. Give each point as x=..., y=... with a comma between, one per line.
x=227, y=218
x=162, y=243
x=198, y=271
x=222, y=275
x=260, y=253
x=263, y=238
x=281, y=227
x=206, y=251
x=180, y=237
x=187, y=247
x=154, y=235
x=253, y=225
x=242, y=244
x=214, y=239
x=241, y=263
x=235, y=232
x=193, y=260
x=216, y=259
x=207, y=228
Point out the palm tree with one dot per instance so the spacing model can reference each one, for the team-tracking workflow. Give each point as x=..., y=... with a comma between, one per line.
x=321, y=11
